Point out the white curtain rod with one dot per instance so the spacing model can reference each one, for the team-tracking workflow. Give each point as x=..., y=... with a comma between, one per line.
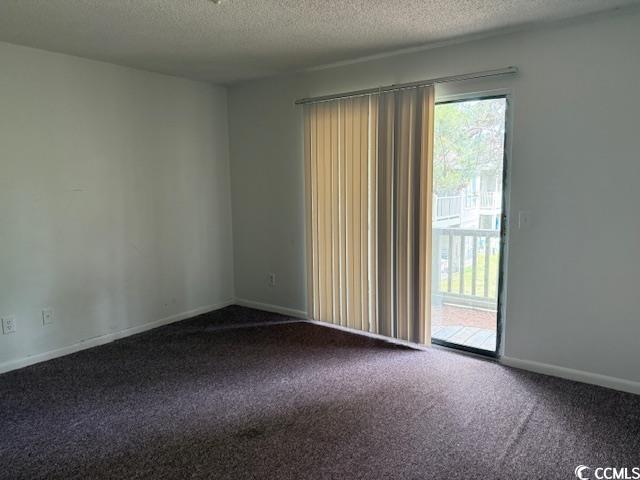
x=399, y=86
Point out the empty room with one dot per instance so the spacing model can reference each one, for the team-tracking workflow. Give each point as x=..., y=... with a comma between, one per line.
x=354, y=239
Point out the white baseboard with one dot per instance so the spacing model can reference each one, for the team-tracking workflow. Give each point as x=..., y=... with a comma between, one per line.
x=576, y=375
x=110, y=337
x=267, y=307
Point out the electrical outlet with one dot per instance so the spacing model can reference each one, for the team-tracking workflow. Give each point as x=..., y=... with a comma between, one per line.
x=9, y=325
x=272, y=279
x=47, y=316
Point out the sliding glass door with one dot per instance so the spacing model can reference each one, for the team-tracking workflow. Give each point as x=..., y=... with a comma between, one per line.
x=467, y=213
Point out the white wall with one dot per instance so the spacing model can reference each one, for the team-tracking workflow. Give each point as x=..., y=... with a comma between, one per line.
x=573, y=276
x=115, y=208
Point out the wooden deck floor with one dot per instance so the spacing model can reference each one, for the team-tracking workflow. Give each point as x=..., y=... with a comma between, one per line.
x=482, y=338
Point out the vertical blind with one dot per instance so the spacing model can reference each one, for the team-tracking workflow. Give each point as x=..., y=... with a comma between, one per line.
x=368, y=189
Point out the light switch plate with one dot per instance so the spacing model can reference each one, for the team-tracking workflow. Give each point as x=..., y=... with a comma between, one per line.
x=524, y=219
x=8, y=325
x=47, y=316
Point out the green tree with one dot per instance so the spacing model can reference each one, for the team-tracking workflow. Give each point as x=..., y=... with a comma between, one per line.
x=468, y=139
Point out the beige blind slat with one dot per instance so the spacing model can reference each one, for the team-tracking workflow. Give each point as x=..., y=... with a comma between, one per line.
x=342, y=224
x=364, y=213
x=308, y=118
x=384, y=222
x=315, y=293
x=326, y=242
x=320, y=208
x=350, y=221
x=372, y=165
x=427, y=102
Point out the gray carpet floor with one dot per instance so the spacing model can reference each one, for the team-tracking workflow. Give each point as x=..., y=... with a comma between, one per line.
x=198, y=399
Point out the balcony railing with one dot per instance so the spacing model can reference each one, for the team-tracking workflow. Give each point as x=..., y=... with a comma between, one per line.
x=465, y=266
x=447, y=207
x=489, y=200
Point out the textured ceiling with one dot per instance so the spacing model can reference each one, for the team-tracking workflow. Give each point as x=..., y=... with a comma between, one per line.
x=240, y=39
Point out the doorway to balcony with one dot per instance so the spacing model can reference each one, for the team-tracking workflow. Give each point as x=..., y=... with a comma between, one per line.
x=468, y=186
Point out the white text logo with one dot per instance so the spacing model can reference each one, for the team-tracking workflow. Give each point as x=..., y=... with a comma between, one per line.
x=608, y=473
x=581, y=471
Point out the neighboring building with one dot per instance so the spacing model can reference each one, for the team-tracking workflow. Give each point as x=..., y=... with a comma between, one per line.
x=477, y=206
